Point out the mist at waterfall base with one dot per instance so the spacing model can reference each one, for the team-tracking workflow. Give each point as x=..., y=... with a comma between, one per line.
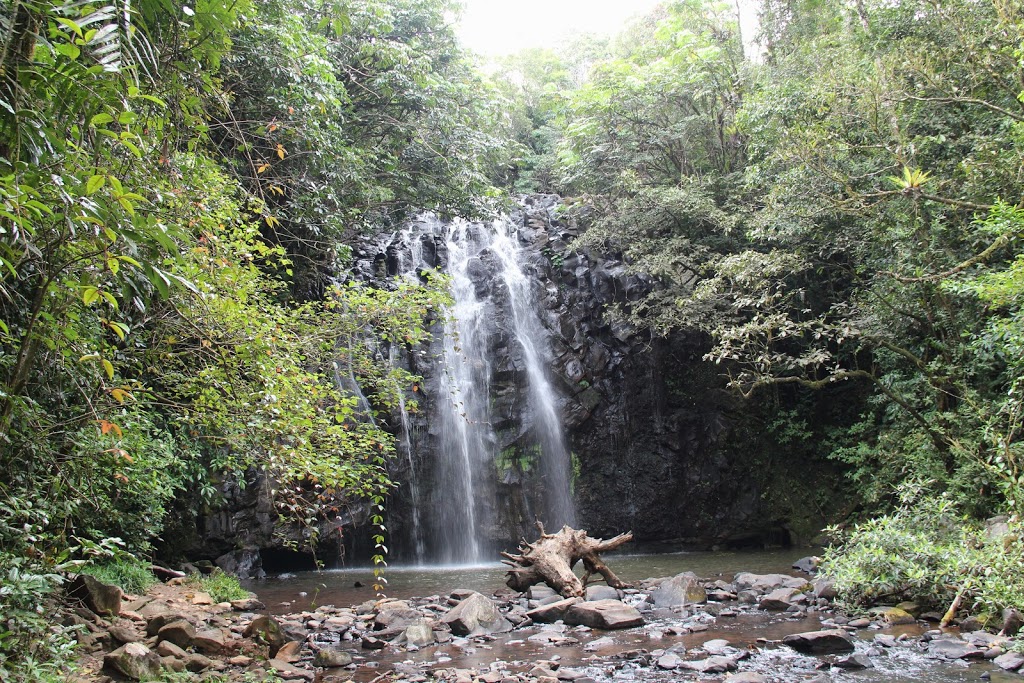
x=471, y=473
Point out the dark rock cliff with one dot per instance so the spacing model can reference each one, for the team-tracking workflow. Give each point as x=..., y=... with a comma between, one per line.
x=659, y=446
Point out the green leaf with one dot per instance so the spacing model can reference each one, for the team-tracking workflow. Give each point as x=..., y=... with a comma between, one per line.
x=95, y=183
x=68, y=50
x=70, y=24
x=108, y=367
x=100, y=119
x=90, y=296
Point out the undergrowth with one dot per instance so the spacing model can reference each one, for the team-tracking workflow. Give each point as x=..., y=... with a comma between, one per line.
x=221, y=587
x=927, y=552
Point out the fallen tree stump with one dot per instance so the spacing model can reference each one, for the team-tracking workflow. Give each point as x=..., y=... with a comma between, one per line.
x=550, y=560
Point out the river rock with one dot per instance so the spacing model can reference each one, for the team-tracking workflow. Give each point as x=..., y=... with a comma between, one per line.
x=267, y=629
x=551, y=612
x=1011, y=661
x=179, y=632
x=210, y=641
x=1013, y=621
x=101, y=598
x=604, y=614
x=820, y=642
x=779, y=600
x=331, y=657
x=853, y=662
x=825, y=588
x=669, y=661
x=681, y=589
x=250, y=604
x=746, y=677
x=123, y=634
x=196, y=662
x=418, y=635
x=602, y=593
x=290, y=652
x=476, y=615
x=539, y=592
x=762, y=583
x=134, y=660
x=711, y=665
x=807, y=564
x=893, y=616
x=289, y=671
x=954, y=649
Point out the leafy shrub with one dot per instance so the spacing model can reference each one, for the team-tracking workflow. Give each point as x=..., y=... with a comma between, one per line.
x=130, y=573
x=31, y=647
x=927, y=552
x=221, y=587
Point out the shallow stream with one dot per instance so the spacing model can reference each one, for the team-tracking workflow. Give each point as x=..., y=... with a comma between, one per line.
x=608, y=658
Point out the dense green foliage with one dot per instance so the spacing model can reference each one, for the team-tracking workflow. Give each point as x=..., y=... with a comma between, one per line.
x=840, y=207
x=835, y=205
x=927, y=553
x=176, y=185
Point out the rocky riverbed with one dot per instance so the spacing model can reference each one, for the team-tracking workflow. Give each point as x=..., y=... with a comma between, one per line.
x=753, y=627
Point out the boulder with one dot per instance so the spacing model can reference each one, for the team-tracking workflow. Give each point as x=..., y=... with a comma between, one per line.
x=825, y=588
x=266, y=629
x=166, y=648
x=210, y=641
x=101, y=598
x=134, y=660
x=245, y=563
x=551, y=612
x=682, y=589
x=179, y=632
x=290, y=652
x=123, y=634
x=476, y=615
x=1012, y=622
x=820, y=642
x=604, y=614
x=161, y=619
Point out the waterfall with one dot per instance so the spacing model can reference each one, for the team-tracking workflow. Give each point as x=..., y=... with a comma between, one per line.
x=493, y=321
x=555, y=461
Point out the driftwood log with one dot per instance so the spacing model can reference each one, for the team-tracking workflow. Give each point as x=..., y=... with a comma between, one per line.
x=550, y=560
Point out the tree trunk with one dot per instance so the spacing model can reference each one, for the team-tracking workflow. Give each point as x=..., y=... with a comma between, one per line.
x=550, y=560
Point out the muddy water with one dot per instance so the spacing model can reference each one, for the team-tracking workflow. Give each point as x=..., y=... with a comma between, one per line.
x=609, y=658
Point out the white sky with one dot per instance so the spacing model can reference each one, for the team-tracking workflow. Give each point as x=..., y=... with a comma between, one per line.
x=499, y=27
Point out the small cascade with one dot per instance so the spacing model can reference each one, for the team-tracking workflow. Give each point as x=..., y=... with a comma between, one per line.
x=465, y=495
x=412, y=480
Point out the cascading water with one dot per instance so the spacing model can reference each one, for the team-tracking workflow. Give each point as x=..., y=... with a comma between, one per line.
x=493, y=320
x=555, y=460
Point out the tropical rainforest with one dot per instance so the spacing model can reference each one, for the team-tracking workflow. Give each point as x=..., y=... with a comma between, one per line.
x=833, y=201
